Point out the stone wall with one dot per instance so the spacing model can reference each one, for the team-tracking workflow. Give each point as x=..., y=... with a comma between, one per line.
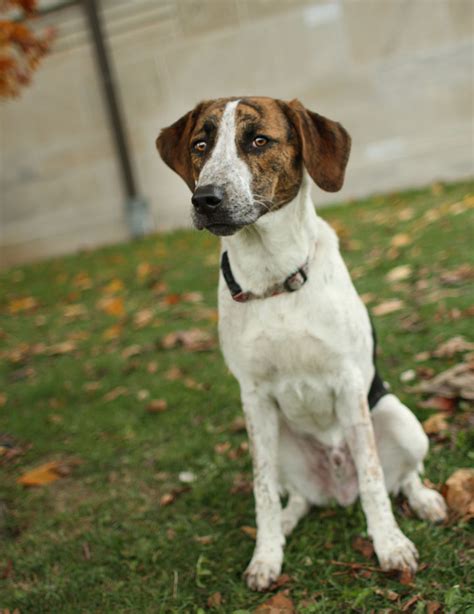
x=397, y=73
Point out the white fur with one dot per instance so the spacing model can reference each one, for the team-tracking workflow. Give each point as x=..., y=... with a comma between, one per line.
x=304, y=364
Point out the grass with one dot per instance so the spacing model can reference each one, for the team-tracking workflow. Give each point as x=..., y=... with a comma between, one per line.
x=97, y=539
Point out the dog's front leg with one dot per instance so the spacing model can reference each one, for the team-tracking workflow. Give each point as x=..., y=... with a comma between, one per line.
x=263, y=431
x=393, y=549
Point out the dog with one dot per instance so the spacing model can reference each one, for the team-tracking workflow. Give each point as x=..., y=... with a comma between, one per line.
x=321, y=422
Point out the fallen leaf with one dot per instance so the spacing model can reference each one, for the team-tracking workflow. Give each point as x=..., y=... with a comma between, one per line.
x=406, y=577
x=192, y=384
x=387, y=594
x=435, y=424
x=367, y=297
x=112, y=306
x=400, y=240
x=167, y=499
x=26, y=303
x=241, y=485
x=204, y=539
x=174, y=374
x=364, y=546
x=65, y=347
x=131, y=350
x=451, y=347
x=456, y=382
x=3, y=399
x=278, y=604
x=214, y=600
x=459, y=493
x=192, y=297
x=172, y=299
x=82, y=281
x=222, y=448
x=115, y=393
x=157, y=406
x=432, y=607
x=143, y=270
x=407, y=605
x=192, y=340
x=238, y=425
x=143, y=317
x=250, y=531
x=48, y=472
x=421, y=356
x=441, y=403
x=462, y=273
x=113, y=332
x=76, y=311
x=399, y=273
x=114, y=286
x=388, y=306
x=279, y=582
x=408, y=376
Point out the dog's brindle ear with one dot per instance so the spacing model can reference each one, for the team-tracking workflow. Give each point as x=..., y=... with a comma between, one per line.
x=325, y=146
x=173, y=144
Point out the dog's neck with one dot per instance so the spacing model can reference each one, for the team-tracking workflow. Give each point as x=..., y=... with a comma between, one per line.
x=277, y=245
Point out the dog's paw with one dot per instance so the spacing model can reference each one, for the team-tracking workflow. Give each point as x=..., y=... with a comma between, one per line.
x=429, y=505
x=395, y=551
x=261, y=573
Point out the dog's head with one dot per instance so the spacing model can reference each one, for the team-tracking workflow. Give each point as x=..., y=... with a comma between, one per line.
x=243, y=157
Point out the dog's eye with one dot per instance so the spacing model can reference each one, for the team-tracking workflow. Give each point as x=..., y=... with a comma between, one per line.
x=200, y=146
x=260, y=141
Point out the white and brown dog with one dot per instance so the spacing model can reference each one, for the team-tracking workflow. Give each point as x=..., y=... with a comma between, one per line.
x=293, y=329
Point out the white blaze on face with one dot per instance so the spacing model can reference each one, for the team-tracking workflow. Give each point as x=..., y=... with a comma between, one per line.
x=225, y=168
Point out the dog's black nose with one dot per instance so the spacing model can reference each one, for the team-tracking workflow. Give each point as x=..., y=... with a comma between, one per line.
x=207, y=198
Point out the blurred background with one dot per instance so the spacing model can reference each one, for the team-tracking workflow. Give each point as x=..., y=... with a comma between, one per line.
x=398, y=74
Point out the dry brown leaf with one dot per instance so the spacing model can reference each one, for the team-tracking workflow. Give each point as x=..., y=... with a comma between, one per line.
x=436, y=423
x=65, y=347
x=407, y=605
x=3, y=399
x=112, y=305
x=192, y=297
x=214, y=600
x=157, y=406
x=282, y=579
x=192, y=384
x=47, y=473
x=432, y=607
x=367, y=297
x=82, y=281
x=26, y=303
x=441, y=403
x=172, y=299
x=406, y=577
x=462, y=273
x=167, y=499
x=456, y=382
x=174, y=374
x=459, y=493
x=364, y=546
x=192, y=340
x=399, y=273
x=75, y=311
x=115, y=393
x=389, y=306
x=278, y=604
x=222, y=448
x=387, y=594
x=238, y=425
x=131, y=350
x=400, y=240
x=143, y=317
x=452, y=346
x=250, y=531
x=204, y=539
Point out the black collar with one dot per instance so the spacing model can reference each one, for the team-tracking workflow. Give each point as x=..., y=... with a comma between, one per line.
x=292, y=283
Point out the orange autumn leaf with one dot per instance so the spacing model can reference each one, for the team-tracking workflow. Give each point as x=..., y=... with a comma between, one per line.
x=112, y=306
x=114, y=286
x=47, y=473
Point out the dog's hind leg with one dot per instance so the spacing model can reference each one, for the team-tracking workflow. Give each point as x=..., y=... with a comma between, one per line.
x=295, y=509
x=402, y=445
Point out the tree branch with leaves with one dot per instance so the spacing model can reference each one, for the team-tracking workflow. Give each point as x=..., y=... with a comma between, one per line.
x=21, y=47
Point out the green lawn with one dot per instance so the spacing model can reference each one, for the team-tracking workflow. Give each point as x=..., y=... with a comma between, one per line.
x=97, y=539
